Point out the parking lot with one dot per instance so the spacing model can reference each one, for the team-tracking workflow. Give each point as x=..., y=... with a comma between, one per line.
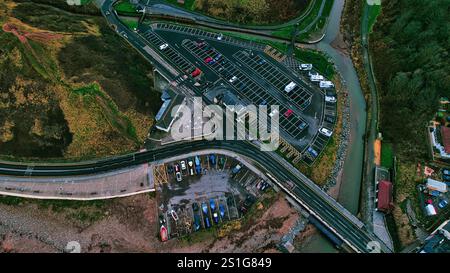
x=246, y=87
x=205, y=191
x=277, y=78
x=254, y=77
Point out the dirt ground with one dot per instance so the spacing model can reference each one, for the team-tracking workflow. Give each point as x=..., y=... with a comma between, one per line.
x=127, y=225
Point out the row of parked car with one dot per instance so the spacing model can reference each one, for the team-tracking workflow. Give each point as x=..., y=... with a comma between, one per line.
x=190, y=166
x=217, y=213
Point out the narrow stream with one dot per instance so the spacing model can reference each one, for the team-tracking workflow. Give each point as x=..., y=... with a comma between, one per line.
x=352, y=171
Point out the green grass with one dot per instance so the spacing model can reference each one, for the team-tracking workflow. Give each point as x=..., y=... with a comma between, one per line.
x=387, y=156
x=318, y=59
x=131, y=24
x=374, y=11
x=125, y=6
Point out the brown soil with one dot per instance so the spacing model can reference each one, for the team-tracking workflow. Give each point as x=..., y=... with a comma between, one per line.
x=128, y=225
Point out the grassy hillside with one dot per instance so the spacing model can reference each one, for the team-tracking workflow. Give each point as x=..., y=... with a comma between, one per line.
x=69, y=86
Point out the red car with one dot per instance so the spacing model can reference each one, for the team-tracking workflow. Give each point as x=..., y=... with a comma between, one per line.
x=288, y=113
x=196, y=72
x=208, y=59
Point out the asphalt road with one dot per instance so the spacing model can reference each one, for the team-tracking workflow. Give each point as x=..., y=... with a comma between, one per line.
x=316, y=202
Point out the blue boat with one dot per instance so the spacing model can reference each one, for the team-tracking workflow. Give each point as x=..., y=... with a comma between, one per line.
x=222, y=211
x=212, y=159
x=205, y=208
x=212, y=204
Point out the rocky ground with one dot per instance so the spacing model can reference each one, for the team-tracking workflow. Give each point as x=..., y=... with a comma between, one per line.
x=128, y=225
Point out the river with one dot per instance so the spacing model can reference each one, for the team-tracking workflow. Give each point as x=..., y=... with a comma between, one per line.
x=352, y=171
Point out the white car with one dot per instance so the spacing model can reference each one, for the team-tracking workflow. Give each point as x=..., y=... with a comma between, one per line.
x=178, y=175
x=325, y=131
x=233, y=79
x=163, y=46
x=220, y=37
x=330, y=99
x=305, y=67
x=326, y=84
x=183, y=165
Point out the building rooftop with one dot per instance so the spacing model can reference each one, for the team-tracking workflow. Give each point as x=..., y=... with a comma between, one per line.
x=164, y=118
x=385, y=202
x=445, y=135
x=439, y=241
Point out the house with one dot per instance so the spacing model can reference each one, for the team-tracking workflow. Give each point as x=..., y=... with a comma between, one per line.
x=434, y=185
x=171, y=103
x=440, y=137
x=384, y=196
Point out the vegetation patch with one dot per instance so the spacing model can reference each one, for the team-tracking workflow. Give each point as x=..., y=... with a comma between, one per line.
x=256, y=12
x=69, y=86
x=387, y=156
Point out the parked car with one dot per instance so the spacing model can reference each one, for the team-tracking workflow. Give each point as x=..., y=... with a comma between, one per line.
x=288, y=113
x=302, y=125
x=207, y=222
x=236, y=169
x=222, y=210
x=183, y=165
x=197, y=224
x=212, y=160
x=233, y=79
x=208, y=59
x=216, y=218
x=331, y=99
x=442, y=204
x=170, y=169
x=305, y=67
x=220, y=37
x=179, y=178
x=261, y=62
x=212, y=204
x=326, y=132
x=196, y=72
x=205, y=208
x=163, y=46
x=195, y=206
x=312, y=152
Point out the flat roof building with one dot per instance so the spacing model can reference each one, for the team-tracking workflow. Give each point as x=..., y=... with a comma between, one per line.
x=171, y=102
x=384, y=197
x=434, y=185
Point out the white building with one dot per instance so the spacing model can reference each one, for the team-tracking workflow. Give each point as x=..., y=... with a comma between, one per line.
x=434, y=185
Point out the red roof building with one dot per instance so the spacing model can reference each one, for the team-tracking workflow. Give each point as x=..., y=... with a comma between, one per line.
x=385, y=201
x=445, y=134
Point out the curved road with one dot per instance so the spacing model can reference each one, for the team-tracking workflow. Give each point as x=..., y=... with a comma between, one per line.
x=337, y=219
